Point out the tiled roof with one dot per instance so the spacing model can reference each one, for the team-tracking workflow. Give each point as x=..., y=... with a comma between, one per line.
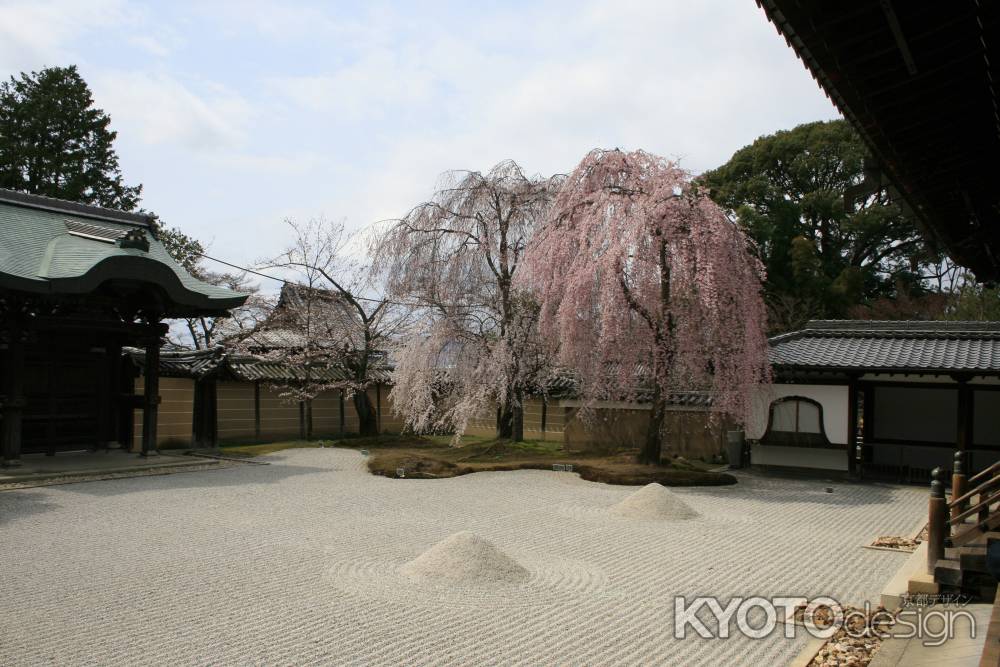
x=251, y=368
x=564, y=385
x=333, y=321
x=51, y=246
x=199, y=363
x=902, y=346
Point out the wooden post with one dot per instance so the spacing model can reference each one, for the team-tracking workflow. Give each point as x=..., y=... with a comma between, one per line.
x=963, y=437
x=13, y=399
x=198, y=415
x=151, y=397
x=937, y=521
x=113, y=381
x=126, y=406
x=545, y=411
x=852, y=425
x=378, y=407
x=958, y=486
x=256, y=410
x=212, y=412
x=341, y=413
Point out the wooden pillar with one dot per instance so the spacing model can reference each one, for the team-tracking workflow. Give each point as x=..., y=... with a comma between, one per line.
x=151, y=396
x=127, y=403
x=545, y=413
x=378, y=408
x=963, y=436
x=958, y=486
x=309, y=419
x=342, y=419
x=937, y=521
x=13, y=398
x=114, y=372
x=302, y=420
x=198, y=415
x=212, y=412
x=256, y=410
x=852, y=425
x=204, y=416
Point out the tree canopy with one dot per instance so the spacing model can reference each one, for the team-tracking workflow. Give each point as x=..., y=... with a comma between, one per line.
x=53, y=141
x=648, y=288
x=457, y=257
x=823, y=254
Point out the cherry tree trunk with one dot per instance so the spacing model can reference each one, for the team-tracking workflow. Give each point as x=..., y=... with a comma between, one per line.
x=367, y=421
x=650, y=452
x=517, y=432
x=510, y=420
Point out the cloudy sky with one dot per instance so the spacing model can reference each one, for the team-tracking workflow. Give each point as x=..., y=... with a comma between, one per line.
x=236, y=115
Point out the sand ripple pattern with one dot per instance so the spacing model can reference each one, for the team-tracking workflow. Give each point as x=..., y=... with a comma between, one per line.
x=298, y=563
x=551, y=581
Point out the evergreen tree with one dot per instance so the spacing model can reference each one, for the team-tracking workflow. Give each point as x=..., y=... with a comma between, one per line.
x=53, y=141
x=824, y=255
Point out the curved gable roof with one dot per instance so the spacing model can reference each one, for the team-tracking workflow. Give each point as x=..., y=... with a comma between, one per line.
x=49, y=246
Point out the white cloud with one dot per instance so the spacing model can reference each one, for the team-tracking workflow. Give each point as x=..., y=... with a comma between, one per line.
x=159, y=109
x=35, y=34
x=236, y=114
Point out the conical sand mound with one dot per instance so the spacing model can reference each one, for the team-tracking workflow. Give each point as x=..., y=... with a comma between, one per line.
x=465, y=558
x=653, y=501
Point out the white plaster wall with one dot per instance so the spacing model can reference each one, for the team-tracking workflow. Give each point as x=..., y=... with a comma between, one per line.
x=799, y=457
x=833, y=398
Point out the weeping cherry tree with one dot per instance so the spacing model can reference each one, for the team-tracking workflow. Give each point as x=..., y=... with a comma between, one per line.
x=457, y=256
x=649, y=289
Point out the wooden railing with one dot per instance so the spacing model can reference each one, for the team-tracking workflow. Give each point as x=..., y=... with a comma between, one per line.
x=948, y=522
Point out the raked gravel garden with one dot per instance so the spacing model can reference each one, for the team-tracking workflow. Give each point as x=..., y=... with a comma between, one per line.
x=313, y=560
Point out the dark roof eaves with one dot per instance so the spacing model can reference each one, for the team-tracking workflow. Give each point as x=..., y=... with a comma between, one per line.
x=881, y=370
x=25, y=200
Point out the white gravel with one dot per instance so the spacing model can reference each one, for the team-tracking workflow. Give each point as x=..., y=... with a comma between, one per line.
x=465, y=559
x=654, y=501
x=300, y=563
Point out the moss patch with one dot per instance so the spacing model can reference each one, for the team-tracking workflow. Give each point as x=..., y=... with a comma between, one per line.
x=434, y=457
x=429, y=462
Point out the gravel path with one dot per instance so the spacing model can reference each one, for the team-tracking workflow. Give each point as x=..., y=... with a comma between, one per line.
x=297, y=563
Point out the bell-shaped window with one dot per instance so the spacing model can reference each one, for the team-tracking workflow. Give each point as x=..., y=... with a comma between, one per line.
x=797, y=421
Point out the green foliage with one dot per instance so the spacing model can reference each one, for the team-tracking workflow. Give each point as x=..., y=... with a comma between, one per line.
x=185, y=250
x=975, y=302
x=822, y=258
x=53, y=141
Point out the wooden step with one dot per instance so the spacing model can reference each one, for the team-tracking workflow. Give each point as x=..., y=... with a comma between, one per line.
x=974, y=534
x=948, y=572
x=973, y=558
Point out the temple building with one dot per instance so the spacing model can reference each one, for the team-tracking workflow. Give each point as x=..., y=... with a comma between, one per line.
x=77, y=284
x=883, y=399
